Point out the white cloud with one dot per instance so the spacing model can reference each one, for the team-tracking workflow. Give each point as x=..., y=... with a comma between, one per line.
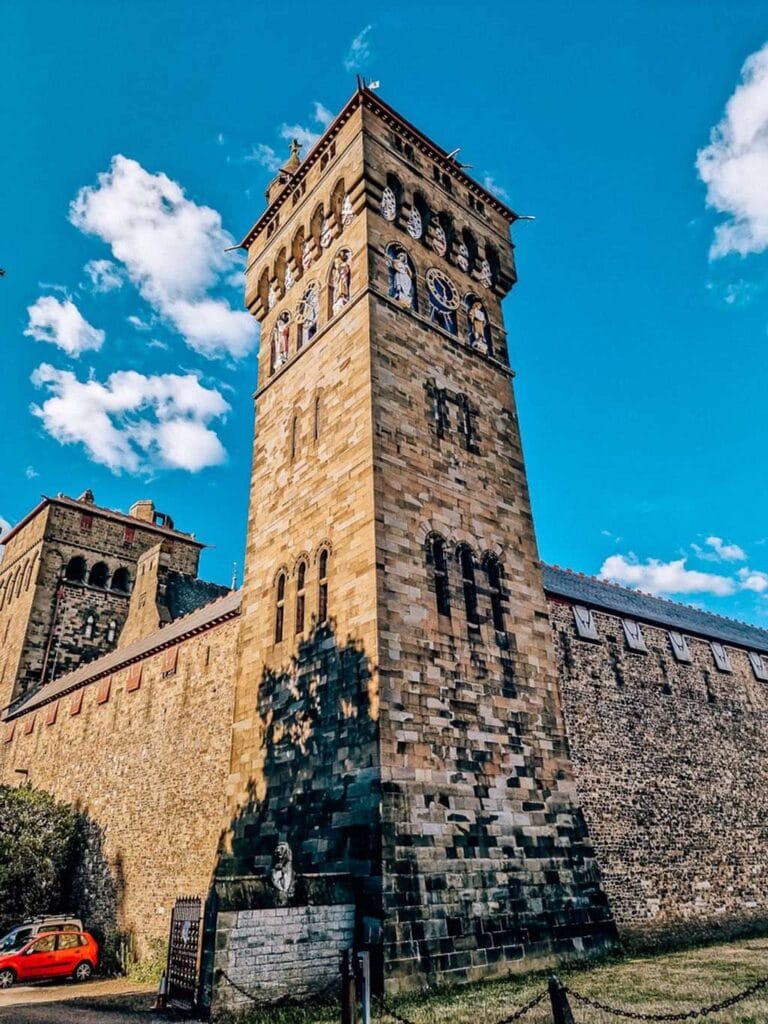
x=266, y=156
x=734, y=166
x=104, y=274
x=138, y=323
x=30, y=473
x=133, y=422
x=657, y=577
x=61, y=323
x=490, y=184
x=323, y=115
x=306, y=136
x=359, y=52
x=727, y=552
x=754, y=580
x=172, y=250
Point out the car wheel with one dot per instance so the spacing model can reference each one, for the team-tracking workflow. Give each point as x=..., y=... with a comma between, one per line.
x=83, y=971
x=7, y=978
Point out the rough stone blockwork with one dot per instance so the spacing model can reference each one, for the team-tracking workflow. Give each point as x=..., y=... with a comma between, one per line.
x=671, y=763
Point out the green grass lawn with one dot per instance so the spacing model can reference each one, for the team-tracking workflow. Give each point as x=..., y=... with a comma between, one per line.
x=669, y=982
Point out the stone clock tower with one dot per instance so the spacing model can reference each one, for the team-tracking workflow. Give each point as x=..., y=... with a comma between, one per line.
x=398, y=719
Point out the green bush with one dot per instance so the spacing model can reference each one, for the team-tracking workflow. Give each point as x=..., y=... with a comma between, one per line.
x=36, y=851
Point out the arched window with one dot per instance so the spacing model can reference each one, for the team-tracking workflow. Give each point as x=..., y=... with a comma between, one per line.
x=322, y=586
x=263, y=288
x=391, y=198
x=121, y=580
x=467, y=566
x=279, y=608
x=294, y=435
x=340, y=282
x=21, y=573
x=307, y=316
x=489, y=266
x=402, y=276
x=496, y=591
x=28, y=576
x=301, y=595
x=280, y=271
x=97, y=577
x=439, y=564
x=316, y=419
x=442, y=235
x=316, y=227
x=111, y=631
x=466, y=254
x=2, y=593
x=478, y=327
x=419, y=218
x=76, y=569
x=297, y=251
x=90, y=623
x=337, y=202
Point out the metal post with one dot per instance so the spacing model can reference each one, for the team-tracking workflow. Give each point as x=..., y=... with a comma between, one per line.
x=348, y=988
x=561, y=1008
x=365, y=993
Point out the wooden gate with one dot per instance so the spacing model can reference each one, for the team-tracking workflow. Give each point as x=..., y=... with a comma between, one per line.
x=184, y=952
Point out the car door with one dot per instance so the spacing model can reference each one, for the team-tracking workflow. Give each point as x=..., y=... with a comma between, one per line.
x=39, y=961
x=68, y=952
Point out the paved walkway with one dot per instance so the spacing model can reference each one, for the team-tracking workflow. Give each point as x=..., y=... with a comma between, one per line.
x=112, y=1001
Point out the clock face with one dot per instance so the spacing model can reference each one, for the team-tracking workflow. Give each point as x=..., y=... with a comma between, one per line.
x=442, y=290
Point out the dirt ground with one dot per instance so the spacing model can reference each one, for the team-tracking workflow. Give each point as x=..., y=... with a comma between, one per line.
x=112, y=1001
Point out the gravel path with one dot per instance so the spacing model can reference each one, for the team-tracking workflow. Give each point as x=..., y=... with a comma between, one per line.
x=114, y=1001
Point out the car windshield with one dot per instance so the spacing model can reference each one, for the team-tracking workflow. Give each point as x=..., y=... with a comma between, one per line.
x=15, y=940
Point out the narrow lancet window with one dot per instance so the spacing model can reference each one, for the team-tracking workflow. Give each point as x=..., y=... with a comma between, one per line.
x=280, y=608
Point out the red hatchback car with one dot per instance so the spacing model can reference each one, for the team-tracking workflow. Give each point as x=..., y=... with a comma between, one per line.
x=52, y=955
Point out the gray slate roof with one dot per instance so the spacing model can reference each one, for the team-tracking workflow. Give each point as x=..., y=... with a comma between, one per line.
x=203, y=618
x=595, y=593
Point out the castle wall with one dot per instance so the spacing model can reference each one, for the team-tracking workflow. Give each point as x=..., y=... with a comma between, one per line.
x=148, y=765
x=671, y=764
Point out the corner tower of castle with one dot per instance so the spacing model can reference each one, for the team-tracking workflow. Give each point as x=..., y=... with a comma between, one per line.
x=397, y=713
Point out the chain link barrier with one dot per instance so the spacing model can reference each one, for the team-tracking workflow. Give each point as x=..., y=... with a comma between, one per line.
x=704, y=1011
x=510, y=1019
x=331, y=988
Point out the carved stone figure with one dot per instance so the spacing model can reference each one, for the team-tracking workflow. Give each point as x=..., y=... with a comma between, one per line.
x=478, y=325
x=281, y=340
x=400, y=276
x=282, y=874
x=288, y=276
x=347, y=213
x=306, y=253
x=306, y=315
x=273, y=295
x=326, y=233
x=341, y=279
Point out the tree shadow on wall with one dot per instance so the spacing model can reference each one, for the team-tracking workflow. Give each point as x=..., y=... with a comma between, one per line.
x=96, y=891
x=319, y=752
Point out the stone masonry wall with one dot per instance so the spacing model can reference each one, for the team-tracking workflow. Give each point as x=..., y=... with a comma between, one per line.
x=30, y=623
x=281, y=952
x=671, y=765
x=487, y=862
x=149, y=766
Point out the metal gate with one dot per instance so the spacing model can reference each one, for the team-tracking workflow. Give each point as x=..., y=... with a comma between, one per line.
x=184, y=952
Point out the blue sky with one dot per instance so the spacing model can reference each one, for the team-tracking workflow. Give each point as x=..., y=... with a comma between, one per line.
x=139, y=141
